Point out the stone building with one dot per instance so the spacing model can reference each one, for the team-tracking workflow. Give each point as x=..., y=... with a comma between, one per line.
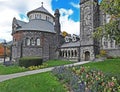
x=70, y=49
x=38, y=37
x=41, y=36
x=87, y=47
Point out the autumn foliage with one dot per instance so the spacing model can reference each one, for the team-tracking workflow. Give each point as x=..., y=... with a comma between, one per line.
x=64, y=33
x=2, y=51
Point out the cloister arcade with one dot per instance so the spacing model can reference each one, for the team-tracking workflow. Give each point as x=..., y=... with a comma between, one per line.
x=69, y=53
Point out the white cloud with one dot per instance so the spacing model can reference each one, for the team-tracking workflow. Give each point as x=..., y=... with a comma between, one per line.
x=75, y=5
x=13, y=8
x=67, y=24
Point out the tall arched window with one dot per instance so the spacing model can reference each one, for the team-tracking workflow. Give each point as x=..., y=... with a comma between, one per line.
x=38, y=41
x=27, y=41
x=71, y=53
x=75, y=53
x=32, y=42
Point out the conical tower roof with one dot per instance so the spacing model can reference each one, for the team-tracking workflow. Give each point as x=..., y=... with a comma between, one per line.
x=40, y=10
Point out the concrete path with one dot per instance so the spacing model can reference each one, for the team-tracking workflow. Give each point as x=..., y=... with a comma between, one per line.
x=11, y=76
x=2, y=59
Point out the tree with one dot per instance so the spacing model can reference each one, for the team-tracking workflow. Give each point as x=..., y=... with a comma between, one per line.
x=112, y=8
x=2, y=50
x=64, y=33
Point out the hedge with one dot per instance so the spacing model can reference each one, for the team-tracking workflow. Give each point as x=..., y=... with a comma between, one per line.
x=30, y=61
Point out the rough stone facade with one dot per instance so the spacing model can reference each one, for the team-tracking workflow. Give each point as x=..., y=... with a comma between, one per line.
x=89, y=21
x=46, y=50
x=36, y=41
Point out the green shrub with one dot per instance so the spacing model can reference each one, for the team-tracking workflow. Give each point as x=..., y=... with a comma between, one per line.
x=30, y=61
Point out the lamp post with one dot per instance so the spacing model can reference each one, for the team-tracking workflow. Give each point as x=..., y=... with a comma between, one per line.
x=21, y=49
x=5, y=44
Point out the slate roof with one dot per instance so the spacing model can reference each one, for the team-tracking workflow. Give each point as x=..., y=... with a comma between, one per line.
x=71, y=44
x=38, y=25
x=40, y=9
x=20, y=23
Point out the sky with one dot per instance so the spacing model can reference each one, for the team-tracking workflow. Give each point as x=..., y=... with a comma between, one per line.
x=69, y=10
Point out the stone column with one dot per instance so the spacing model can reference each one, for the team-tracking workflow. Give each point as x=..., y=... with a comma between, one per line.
x=77, y=52
x=67, y=53
x=73, y=52
x=63, y=53
x=70, y=54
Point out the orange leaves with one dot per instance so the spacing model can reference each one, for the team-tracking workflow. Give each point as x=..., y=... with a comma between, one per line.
x=2, y=50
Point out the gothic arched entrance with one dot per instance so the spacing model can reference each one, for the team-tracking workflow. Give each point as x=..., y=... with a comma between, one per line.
x=87, y=55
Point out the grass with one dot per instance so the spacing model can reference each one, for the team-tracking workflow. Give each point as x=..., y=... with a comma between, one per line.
x=108, y=66
x=57, y=63
x=16, y=69
x=11, y=69
x=44, y=82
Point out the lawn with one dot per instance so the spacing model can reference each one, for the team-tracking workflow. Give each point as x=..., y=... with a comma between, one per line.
x=11, y=69
x=57, y=63
x=44, y=82
x=108, y=66
x=16, y=69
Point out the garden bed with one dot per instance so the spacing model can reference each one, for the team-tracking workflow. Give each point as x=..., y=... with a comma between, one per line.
x=91, y=79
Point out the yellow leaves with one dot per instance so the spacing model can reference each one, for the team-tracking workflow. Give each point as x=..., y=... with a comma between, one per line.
x=103, y=53
x=44, y=65
x=64, y=33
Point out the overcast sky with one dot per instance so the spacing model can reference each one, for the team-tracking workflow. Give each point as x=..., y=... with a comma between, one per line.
x=69, y=10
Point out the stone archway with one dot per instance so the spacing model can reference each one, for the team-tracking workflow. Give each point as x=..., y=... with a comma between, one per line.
x=87, y=56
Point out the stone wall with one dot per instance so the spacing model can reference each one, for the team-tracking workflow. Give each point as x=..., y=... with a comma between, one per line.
x=85, y=49
x=113, y=52
x=46, y=50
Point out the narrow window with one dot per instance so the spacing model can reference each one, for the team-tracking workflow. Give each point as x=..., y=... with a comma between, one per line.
x=46, y=18
x=27, y=41
x=38, y=41
x=32, y=42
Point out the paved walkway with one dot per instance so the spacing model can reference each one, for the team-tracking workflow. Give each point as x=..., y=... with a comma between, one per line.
x=11, y=76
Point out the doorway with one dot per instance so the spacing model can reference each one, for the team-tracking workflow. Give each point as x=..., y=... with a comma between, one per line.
x=87, y=56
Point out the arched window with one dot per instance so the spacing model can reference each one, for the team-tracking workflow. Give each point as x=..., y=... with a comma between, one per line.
x=32, y=42
x=27, y=41
x=65, y=53
x=68, y=53
x=46, y=18
x=75, y=53
x=72, y=53
x=38, y=41
x=39, y=16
